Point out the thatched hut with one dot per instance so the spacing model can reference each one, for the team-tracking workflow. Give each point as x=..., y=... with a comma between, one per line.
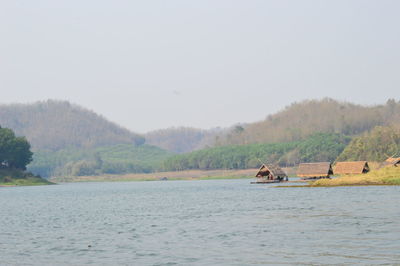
x=314, y=170
x=346, y=168
x=391, y=161
x=268, y=173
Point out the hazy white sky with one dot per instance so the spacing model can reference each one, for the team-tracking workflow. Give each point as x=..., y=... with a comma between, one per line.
x=154, y=64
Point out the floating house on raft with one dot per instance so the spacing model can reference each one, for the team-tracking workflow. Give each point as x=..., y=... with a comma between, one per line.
x=270, y=174
x=347, y=168
x=391, y=161
x=314, y=170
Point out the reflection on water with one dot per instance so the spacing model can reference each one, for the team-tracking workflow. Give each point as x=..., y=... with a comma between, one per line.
x=216, y=222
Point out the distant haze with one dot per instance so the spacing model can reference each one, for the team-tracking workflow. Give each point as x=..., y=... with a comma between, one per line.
x=156, y=64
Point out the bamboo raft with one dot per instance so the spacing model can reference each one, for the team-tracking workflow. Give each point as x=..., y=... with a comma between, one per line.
x=277, y=181
x=267, y=182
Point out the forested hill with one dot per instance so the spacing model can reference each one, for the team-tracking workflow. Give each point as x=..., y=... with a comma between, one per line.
x=183, y=139
x=54, y=125
x=295, y=122
x=319, y=147
x=300, y=120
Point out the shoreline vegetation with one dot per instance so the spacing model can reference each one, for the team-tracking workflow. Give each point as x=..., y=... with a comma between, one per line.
x=173, y=175
x=16, y=177
x=15, y=155
x=385, y=176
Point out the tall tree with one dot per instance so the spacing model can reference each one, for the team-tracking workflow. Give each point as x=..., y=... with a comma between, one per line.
x=14, y=151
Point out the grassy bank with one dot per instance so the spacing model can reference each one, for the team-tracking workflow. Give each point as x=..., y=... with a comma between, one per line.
x=14, y=177
x=383, y=176
x=176, y=175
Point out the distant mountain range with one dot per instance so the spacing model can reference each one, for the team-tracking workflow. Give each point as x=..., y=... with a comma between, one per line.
x=67, y=138
x=55, y=125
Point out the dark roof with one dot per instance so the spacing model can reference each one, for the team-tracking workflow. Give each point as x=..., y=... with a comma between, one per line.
x=273, y=169
x=358, y=167
x=314, y=169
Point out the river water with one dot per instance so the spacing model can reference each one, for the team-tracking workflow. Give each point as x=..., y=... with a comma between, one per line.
x=216, y=222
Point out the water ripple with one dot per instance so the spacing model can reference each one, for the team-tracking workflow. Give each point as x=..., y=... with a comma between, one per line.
x=223, y=222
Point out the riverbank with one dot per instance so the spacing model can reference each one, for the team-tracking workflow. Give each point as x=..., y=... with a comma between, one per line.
x=178, y=175
x=14, y=177
x=383, y=176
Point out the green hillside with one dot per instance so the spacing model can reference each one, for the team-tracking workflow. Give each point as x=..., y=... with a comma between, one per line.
x=318, y=147
x=115, y=159
x=376, y=145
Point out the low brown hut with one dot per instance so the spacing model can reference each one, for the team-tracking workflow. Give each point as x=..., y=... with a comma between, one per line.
x=346, y=168
x=314, y=170
x=270, y=173
x=391, y=161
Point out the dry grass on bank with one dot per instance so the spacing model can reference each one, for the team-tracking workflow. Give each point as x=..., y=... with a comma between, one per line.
x=179, y=175
x=383, y=176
